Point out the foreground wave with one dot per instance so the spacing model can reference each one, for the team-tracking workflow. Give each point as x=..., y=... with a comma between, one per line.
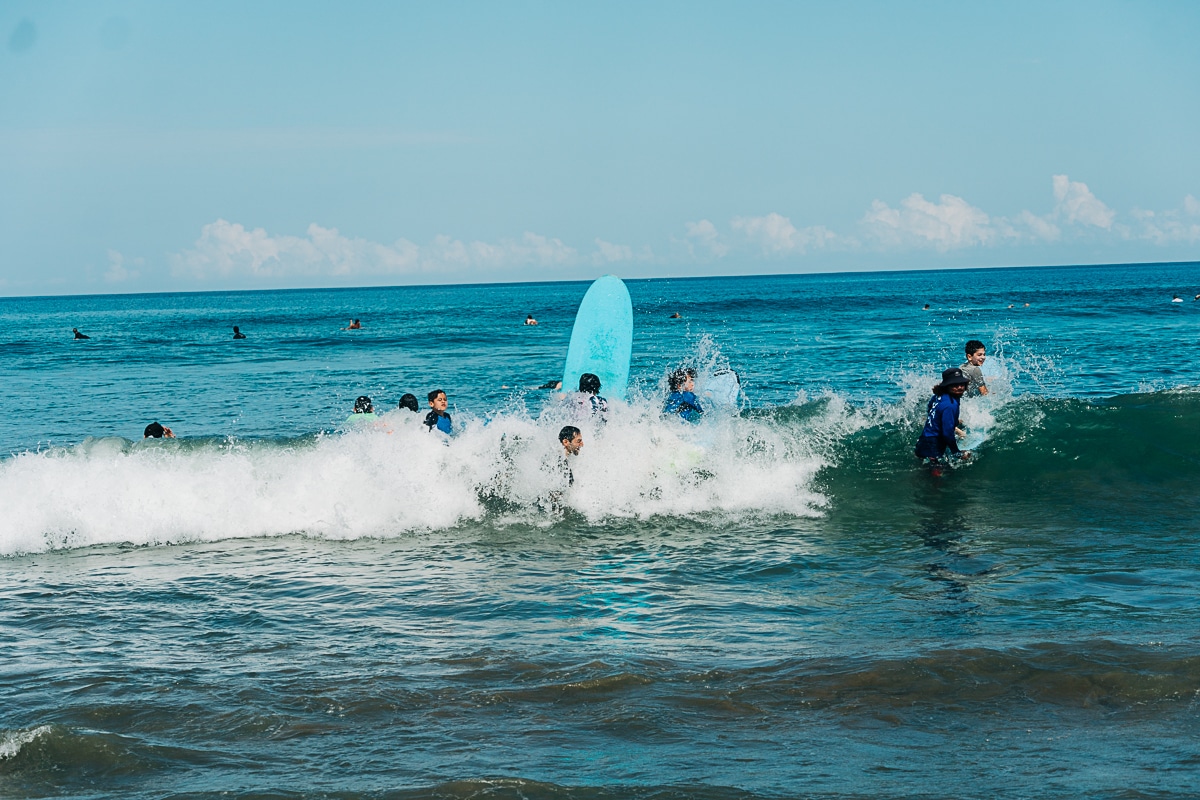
x=395, y=477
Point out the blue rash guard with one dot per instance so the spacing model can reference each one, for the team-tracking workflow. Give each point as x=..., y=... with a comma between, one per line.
x=940, y=421
x=685, y=405
x=440, y=421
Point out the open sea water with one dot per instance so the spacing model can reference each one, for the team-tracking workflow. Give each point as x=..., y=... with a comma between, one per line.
x=777, y=602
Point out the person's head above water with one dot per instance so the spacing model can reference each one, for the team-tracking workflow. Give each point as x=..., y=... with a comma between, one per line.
x=589, y=383
x=954, y=382
x=682, y=379
x=437, y=400
x=157, y=431
x=409, y=401
x=363, y=405
x=571, y=440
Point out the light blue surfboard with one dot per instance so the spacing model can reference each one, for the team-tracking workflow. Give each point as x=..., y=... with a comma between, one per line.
x=602, y=339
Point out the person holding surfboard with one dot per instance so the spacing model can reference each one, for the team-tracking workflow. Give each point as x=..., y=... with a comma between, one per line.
x=941, y=421
x=973, y=368
x=589, y=401
x=682, y=399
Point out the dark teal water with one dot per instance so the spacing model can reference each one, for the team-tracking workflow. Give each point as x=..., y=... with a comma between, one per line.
x=774, y=604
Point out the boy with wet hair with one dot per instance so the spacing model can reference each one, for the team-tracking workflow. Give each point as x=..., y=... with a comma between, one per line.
x=437, y=417
x=572, y=441
x=973, y=368
x=682, y=399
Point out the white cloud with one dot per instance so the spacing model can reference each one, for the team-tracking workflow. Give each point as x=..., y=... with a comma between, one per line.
x=776, y=234
x=228, y=248
x=704, y=234
x=1038, y=227
x=1077, y=205
x=117, y=271
x=1170, y=227
x=949, y=224
x=607, y=252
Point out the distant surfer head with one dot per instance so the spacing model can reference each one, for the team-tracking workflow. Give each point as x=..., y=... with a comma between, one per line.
x=589, y=383
x=409, y=401
x=571, y=440
x=363, y=405
x=157, y=431
x=954, y=383
x=682, y=380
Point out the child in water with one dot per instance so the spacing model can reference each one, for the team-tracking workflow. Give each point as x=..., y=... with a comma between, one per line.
x=682, y=400
x=437, y=417
x=941, y=421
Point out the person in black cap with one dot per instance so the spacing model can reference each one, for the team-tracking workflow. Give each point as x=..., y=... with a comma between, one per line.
x=941, y=421
x=157, y=431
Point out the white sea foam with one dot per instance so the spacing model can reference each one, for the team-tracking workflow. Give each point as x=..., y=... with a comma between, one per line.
x=395, y=477
x=11, y=742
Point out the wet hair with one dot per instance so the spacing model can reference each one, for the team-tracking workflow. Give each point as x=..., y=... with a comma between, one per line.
x=568, y=433
x=235, y=329
x=433, y=395
x=154, y=431
x=409, y=401
x=589, y=383
x=974, y=345
x=679, y=377
x=362, y=405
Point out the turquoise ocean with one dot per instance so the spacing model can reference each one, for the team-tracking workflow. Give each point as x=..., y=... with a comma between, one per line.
x=775, y=602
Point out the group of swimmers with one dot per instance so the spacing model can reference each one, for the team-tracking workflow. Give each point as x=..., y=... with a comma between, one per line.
x=942, y=429
x=939, y=435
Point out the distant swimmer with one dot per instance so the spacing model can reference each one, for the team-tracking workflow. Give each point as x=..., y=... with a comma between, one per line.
x=437, y=417
x=364, y=410
x=941, y=421
x=237, y=334
x=1197, y=297
x=156, y=431
x=409, y=401
x=79, y=335
x=973, y=368
x=551, y=385
x=676, y=315
x=354, y=325
x=529, y=320
x=682, y=399
x=926, y=307
x=572, y=441
x=1176, y=299
x=590, y=400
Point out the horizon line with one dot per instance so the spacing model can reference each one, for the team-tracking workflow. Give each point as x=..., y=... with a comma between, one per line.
x=589, y=280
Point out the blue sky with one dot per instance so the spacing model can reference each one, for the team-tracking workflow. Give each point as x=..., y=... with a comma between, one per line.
x=148, y=146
